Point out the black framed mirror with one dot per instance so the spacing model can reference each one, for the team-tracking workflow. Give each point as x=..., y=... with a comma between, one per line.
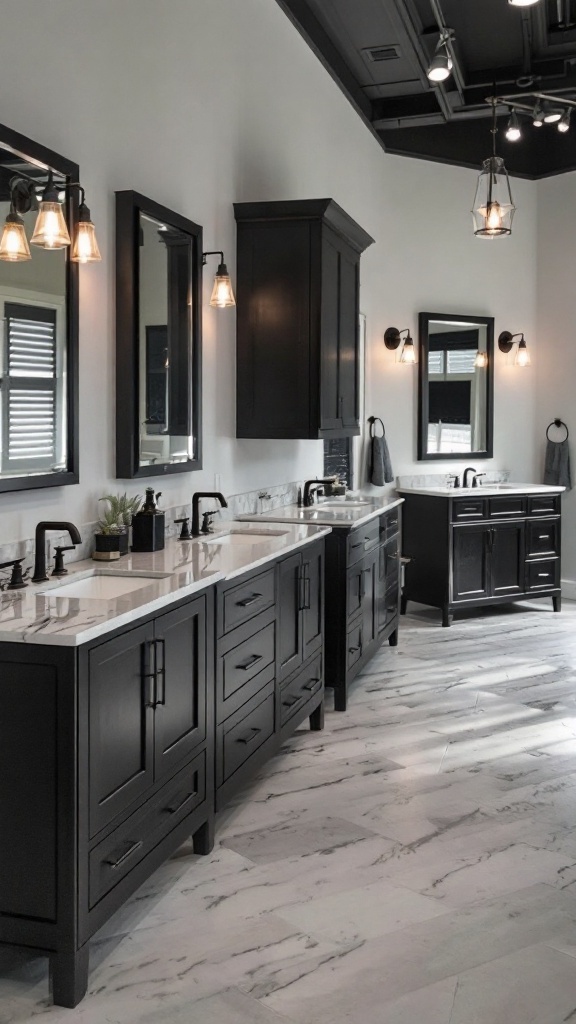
x=455, y=386
x=38, y=322
x=158, y=339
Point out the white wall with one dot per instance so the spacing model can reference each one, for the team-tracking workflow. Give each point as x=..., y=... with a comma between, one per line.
x=198, y=103
x=556, y=325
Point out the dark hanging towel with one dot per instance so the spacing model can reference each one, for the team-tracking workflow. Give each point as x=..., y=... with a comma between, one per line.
x=380, y=468
x=557, y=459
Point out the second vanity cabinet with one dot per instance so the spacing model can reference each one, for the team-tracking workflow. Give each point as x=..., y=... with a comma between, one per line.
x=481, y=550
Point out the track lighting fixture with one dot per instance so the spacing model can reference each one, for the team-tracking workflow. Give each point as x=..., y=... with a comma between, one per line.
x=50, y=230
x=493, y=208
x=564, y=123
x=537, y=116
x=222, y=292
x=506, y=342
x=513, y=131
x=523, y=3
x=393, y=341
x=551, y=114
x=440, y=67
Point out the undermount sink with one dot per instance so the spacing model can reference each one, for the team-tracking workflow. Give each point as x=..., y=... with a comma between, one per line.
x=245, y=537
x=342, y=504
x=102, y=586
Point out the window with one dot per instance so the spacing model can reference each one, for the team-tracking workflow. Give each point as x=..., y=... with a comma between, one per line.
x=29, y=389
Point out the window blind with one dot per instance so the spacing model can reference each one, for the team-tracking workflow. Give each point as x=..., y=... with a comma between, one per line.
x=29, y=388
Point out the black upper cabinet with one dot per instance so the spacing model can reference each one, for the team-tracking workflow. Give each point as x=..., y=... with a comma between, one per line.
x=297, y=328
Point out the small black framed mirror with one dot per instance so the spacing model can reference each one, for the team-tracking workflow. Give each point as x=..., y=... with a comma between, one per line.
x=38, y=318
x=158, y=339
x=455, y=386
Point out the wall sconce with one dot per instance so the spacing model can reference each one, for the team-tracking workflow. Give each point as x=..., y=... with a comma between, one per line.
x=222, y=292
x=505, y=343
x=50, y=230
x=393, y=340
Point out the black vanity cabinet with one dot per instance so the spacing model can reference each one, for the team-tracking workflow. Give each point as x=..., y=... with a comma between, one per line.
x=106, y=766
x=362, y=597
x=298, y=360
x=481, y=550
x=269, y=664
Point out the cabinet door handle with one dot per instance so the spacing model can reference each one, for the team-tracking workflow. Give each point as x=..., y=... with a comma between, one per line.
x=306, y=602
x=115, y=864
x=174, y=808
x=311, y=685
x=341, y=407
x=250, y=737
x=290, y=703
x=159, y=645
x=249, y=600
x=252, y=660
x=149, y=674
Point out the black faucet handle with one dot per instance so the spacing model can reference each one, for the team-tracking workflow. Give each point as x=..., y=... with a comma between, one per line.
x=59, y=567
x=207, y=520
x=16, y=581
x=185, y=529
x=476, y=478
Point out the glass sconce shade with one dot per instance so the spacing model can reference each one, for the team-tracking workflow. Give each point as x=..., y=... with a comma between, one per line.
x=50, y=231
x=408, y=354
x=14, y=246
x=522, y=354
x=481, y=361
x=85, y=248
x=222, y=292
x=493, y=205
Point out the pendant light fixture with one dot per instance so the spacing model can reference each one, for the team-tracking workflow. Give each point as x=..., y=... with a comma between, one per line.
x=50, y=231
x=85, y=248
x=222, y=292
x=494, y=208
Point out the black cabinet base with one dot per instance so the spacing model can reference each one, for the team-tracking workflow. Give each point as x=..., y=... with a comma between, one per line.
x=317, y=718
x=203, y=838
x=69, y=976
x=449, y=610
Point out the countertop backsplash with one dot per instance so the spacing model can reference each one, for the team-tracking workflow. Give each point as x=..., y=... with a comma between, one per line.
x=492, y=476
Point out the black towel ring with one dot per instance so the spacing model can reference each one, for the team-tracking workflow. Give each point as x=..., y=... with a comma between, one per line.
x=373, y=420
x=557, y=423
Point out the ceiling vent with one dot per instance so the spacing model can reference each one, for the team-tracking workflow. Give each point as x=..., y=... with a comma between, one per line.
x=379, y=53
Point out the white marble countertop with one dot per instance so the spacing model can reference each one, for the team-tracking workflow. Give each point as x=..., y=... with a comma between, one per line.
x=344, y=513
x=486, y=491
x=183, y=568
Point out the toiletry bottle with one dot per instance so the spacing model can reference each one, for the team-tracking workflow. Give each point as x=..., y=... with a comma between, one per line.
x=148, y=525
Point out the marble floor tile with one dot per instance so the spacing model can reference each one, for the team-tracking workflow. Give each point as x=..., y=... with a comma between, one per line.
x=283, y=841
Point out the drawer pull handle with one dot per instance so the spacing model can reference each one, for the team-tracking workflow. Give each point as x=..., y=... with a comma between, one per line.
x=115, y=864
x=252, y=660
x=311, y=685
x=290, y=703
x=174, y=808
x=249, y=600
x=544, y=536
x=254, y=732
x=352, y=650
x=545, y=575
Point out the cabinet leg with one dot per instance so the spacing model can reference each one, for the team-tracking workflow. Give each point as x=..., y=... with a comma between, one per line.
x=340, y=699
x=393, y=638
x=69, y=976
x=403, y=604
x=446, y=616
x=317, y=718
x=203, y=838
x=557, y=602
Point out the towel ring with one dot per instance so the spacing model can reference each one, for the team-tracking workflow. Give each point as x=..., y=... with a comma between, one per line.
x=557, y=423
x=373, y=420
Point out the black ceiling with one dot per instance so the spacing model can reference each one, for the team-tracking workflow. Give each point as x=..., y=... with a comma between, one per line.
x=379, y=51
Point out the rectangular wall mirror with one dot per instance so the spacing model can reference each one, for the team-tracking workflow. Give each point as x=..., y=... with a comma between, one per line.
x=158, y=339
x=38, y=324
x=455, y=386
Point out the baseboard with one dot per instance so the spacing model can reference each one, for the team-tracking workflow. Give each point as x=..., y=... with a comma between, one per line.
x=568, y=589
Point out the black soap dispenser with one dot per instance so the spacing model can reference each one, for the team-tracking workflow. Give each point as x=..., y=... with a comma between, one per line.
x=148, y=525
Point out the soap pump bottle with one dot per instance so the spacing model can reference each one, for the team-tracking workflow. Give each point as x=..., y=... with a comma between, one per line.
x=148, y=525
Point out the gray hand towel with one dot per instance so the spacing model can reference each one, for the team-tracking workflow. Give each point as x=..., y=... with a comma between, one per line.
x=381, y=471
x=557, y=464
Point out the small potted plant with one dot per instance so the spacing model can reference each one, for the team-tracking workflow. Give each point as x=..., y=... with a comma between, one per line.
x=112, y=538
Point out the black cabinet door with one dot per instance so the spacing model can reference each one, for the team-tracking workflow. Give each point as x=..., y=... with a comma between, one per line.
x=289, y=615
x=339, y=356
x=312, y=598
x=180, y=712
x=369, y=592
x=348, y=340
x=470, y=574
x=121, y=724
x=507, y=569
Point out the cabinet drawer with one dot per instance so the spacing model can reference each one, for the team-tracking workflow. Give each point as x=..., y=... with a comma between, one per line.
x=542, y=538
x=467, y=509
x=247, y=660
x=354, y=645
x=361, y=540
x=392, y=521
x=241, y=735
x=299, y=690
x=116, y=855
x=544, y=505
x=241, y=603
x=507, y=508
x=542, y=575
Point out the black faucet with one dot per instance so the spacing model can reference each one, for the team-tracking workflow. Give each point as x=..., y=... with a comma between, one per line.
x=469, y=469
x=196, y=507
x=312, y=485
x=40, y=546
x=476, y=478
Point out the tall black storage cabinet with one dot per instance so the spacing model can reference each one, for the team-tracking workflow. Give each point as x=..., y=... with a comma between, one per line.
x=297, y=328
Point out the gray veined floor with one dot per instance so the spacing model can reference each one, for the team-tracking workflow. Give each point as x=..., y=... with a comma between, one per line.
x=414, y=863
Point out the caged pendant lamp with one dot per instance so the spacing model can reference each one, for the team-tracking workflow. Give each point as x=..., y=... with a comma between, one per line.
x=494, y=208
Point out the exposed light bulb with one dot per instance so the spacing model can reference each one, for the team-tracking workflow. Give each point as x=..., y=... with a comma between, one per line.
x=513, y=131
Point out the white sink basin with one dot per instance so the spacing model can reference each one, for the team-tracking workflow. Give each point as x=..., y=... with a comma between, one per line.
x=103, y=586
x=246, y=537
x=342, y=505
